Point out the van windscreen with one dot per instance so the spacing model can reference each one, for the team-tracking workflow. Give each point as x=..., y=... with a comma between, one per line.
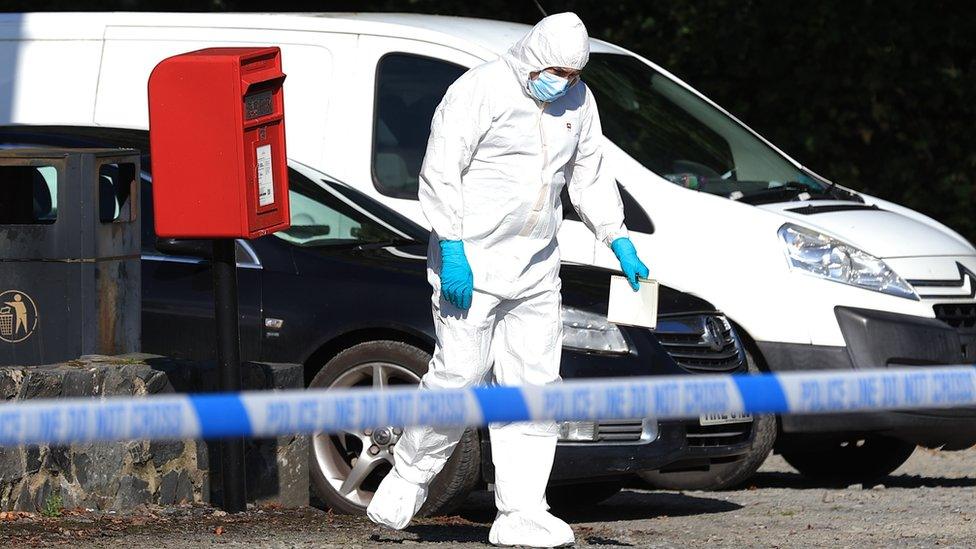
x=677, y=135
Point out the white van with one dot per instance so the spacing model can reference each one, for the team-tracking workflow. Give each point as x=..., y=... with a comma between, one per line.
x=813, y=274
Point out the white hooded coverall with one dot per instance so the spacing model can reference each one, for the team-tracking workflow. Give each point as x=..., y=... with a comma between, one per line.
x=495, y=164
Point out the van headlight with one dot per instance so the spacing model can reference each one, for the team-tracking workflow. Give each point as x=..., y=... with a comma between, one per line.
x=591, y=332
x=832, y=259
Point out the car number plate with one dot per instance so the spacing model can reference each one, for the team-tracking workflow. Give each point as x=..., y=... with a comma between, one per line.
x=723, y=419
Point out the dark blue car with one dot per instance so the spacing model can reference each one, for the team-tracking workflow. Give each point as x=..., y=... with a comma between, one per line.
x=344, y=293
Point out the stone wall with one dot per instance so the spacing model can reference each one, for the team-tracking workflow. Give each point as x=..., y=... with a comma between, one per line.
x=123, y=475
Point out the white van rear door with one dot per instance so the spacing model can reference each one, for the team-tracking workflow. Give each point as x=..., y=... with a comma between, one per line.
x=50, y=80
x=308, y=60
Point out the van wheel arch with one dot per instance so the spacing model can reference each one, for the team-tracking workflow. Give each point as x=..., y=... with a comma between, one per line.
x=758, y=360
x=750, y=345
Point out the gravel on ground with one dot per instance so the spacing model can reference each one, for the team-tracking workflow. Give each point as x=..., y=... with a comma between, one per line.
x=929, y=502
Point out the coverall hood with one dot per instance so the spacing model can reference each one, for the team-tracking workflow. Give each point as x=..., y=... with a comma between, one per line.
x=559, y=40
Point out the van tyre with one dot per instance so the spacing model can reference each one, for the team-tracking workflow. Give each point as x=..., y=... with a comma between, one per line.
x=333, y=458
x=724, y=476
x=862, y=459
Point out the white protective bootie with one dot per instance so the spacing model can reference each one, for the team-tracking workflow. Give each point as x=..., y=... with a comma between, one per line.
x=395, y=502
x=530, y=529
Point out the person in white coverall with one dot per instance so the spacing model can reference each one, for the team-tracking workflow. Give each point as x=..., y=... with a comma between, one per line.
x=504, y=140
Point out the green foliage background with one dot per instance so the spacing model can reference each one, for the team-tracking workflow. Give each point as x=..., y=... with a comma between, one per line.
x=876, y=95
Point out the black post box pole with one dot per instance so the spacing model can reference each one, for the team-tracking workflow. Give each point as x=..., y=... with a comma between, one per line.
x=229, y=366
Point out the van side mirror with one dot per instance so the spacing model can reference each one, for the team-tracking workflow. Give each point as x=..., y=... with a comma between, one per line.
x=185, y=247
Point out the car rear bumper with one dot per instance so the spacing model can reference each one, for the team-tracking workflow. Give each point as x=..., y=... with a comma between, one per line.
x=880, y=339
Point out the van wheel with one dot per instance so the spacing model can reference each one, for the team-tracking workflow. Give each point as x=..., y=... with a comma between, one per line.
x=852, y=460
x=347, y=467
x=724, y=476
x=569, y=497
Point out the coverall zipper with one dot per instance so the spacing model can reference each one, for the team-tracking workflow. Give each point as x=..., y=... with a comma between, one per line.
x=543, y=192
x=533, y=220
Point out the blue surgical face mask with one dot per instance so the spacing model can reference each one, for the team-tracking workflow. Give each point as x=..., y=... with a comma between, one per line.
x=548, y=87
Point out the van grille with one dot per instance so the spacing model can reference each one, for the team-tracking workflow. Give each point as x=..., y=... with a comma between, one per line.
x=701, y=343
x=961, y=316
x=703, y=436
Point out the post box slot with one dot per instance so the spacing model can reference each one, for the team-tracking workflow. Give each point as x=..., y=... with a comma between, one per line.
x=258, y=62
x=115, y=191
x=28, y=195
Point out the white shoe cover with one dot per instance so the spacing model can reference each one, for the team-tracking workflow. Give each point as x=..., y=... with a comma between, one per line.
x=530, y=529
x=396, y=501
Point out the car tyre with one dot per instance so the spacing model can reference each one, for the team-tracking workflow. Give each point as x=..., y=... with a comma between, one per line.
x=853, y=460
x=333, y=458
x=570, y=497
x=724, y=476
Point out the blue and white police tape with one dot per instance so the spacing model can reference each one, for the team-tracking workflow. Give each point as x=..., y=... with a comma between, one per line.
x=268, y=414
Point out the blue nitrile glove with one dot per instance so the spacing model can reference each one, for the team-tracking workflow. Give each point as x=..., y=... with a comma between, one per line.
x=630, y=264
x=457, y=282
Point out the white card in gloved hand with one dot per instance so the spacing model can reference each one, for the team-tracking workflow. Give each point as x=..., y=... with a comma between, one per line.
x=633, y=308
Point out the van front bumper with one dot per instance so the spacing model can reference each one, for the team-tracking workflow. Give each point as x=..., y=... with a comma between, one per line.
x=880, y=339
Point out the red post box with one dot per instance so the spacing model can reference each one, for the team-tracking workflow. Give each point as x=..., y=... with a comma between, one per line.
x=217, y=137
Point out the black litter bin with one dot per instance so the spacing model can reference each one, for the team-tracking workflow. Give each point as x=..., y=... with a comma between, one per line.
x=69, y=254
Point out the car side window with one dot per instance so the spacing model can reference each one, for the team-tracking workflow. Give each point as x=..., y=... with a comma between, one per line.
x=408, y=89
x=321, y=218
x=635, y=217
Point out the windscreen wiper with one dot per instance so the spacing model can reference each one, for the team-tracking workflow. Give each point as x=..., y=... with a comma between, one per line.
x=853, y=196
x=788, y=188
x=832, y=189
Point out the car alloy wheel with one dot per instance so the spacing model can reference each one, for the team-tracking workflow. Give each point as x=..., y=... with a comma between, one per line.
x=354, y=462
x=346, y=468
